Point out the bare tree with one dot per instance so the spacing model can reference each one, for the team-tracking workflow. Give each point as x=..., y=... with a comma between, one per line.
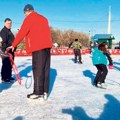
x=64, y=38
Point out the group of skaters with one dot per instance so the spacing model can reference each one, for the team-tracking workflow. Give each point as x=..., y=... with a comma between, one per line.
x=100, y=56
x=36, y=31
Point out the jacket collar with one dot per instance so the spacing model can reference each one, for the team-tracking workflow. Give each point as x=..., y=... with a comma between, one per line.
x=6, y=28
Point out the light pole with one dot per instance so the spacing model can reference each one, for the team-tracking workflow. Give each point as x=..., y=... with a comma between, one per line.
x=89, y=38
x=109, y=21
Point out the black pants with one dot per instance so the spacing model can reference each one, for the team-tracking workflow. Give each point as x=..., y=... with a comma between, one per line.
x=41, y=71
x=6, y=71
x=77, y=53
x=101, y=73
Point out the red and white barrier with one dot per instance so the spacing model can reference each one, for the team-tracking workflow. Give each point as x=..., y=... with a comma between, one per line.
x=55, y=51
x=115, y=52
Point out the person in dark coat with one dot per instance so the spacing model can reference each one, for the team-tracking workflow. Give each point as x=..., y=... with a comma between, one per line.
x=76, y=45
x=108, y=56
x=7, y=40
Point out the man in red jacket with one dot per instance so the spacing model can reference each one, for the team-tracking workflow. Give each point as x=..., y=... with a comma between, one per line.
x=38, y=41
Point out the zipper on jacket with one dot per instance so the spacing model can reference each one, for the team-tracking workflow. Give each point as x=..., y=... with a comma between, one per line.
x=29, y=42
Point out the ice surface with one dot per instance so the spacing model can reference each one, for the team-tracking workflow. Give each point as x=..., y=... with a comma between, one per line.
x=72, y=95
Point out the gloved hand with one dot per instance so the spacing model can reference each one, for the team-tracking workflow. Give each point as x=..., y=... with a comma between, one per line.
x=111, y=67
x=10, y=48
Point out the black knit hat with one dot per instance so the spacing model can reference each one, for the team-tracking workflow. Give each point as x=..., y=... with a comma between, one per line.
x=28, y=7
x=7, y=19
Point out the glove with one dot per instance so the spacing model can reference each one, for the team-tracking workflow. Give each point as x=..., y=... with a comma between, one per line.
x=10, y=48
x=111, y=67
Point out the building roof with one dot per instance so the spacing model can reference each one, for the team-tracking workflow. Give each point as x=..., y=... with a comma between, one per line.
x=103, y=36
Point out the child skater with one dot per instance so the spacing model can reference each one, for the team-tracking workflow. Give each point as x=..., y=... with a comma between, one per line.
x=108, y=56
x=99, y=59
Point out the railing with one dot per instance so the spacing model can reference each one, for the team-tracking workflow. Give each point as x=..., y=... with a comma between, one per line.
x=62, y=51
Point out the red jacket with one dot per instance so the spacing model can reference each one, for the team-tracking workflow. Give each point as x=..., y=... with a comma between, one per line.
x=36, y=31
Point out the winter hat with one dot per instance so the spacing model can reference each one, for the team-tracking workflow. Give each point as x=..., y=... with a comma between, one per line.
x=102, y=47
x=28, y=7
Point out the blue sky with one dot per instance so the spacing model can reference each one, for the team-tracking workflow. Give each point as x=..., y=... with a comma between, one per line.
x=80, y=15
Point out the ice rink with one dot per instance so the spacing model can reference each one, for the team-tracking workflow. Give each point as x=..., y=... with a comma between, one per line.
x=72, y=94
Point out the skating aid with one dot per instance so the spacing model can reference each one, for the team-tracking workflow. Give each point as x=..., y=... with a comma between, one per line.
x=28, y=81
x=17, y=75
